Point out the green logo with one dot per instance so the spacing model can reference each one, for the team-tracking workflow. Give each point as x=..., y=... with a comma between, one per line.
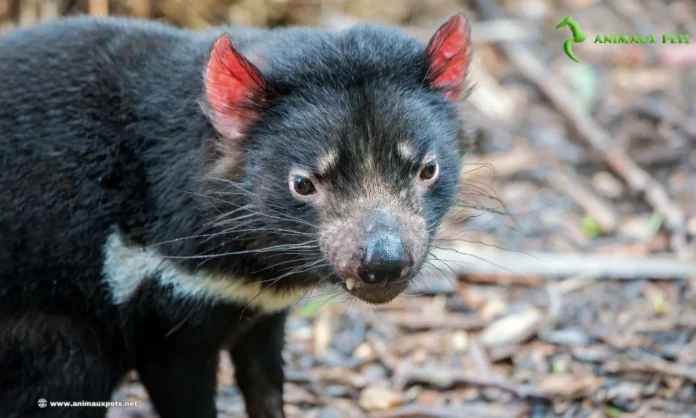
x=578, y=36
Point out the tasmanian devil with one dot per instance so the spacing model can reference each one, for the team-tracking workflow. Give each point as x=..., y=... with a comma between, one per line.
x=166, y=193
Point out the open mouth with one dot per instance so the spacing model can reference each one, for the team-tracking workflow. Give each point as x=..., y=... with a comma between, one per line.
x=375, y=294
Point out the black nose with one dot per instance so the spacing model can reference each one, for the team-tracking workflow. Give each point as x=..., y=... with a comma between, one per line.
x=384, y=260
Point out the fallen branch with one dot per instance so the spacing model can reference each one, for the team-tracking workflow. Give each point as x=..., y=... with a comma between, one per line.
x=465, y=258
x=479, y=410
x=414, y=321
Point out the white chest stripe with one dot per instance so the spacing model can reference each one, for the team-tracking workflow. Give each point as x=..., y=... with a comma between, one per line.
x=126, y=267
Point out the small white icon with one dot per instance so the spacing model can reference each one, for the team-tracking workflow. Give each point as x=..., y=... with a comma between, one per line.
x=42, y=403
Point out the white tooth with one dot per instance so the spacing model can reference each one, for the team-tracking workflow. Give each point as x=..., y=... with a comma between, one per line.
x=350, y=282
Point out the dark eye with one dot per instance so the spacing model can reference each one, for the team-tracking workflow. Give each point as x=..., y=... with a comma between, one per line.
x=303, y=186
x=429, y=171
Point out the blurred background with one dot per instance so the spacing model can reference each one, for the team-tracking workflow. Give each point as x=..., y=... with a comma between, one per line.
x=564, y=284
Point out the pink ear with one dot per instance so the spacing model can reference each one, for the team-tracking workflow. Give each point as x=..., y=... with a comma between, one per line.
x=234, y=89
x=449, y=54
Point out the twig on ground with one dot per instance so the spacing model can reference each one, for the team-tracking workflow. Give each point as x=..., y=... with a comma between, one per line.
x=651, y=365
x=446, y=378
x=660, y=110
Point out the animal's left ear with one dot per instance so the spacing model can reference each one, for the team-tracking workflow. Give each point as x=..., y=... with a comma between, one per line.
x=449, y=55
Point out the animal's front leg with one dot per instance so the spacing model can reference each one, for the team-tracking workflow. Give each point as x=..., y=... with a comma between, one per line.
x=181, y=383
x=258, y=363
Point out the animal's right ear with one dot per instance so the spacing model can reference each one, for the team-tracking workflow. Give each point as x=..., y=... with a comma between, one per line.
x=235, y=90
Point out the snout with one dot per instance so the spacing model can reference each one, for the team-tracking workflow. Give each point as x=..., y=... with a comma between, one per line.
x=376, y=251
x=385, y=260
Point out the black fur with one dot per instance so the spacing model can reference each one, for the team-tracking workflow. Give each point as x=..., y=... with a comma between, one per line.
x=102, y=130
